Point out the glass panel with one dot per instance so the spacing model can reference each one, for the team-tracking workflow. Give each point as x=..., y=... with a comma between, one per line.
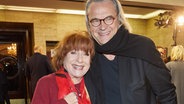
x=8, y=49
x=8, y=62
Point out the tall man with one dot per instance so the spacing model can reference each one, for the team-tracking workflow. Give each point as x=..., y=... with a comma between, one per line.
x=36, y=67
x=127, y=68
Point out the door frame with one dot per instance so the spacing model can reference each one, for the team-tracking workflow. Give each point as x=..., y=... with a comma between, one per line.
x=21, y=33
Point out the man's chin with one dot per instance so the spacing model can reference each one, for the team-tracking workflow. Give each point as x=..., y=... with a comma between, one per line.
x=100, y=43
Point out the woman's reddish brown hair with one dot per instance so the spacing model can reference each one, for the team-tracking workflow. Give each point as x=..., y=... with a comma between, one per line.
x=78, y=40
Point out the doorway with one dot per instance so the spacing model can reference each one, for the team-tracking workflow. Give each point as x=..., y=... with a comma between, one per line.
x=16, y=41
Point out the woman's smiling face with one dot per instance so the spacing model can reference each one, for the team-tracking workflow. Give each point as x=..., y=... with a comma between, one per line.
x=77, y=63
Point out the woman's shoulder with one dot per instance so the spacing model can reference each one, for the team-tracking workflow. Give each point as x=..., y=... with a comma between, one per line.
x=170, y=63
x=47, y=78
x=175, y=63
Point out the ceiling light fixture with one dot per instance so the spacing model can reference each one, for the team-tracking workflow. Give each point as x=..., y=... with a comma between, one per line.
x=67, y=11
x=30, y=9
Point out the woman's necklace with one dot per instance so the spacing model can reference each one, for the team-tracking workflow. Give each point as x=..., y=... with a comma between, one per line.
x=77, y=87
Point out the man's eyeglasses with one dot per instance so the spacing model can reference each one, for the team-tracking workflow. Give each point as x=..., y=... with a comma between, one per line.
x=107, y=20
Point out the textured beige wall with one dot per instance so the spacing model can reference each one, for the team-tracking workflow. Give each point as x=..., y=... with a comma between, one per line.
x=138, y=26
x=47, y=26
x=53, y=27
x=161, y=37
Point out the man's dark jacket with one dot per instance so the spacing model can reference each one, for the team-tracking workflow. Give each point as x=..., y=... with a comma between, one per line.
x=36, y=67
x=143, y=77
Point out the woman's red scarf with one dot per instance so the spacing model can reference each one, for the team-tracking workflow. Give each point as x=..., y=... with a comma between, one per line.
x=66, y=86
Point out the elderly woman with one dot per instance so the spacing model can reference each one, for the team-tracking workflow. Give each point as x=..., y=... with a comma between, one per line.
x=69, y=84
x=176, y=67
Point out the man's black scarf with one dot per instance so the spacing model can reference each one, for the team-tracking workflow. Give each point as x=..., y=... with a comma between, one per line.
x=131, y=45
